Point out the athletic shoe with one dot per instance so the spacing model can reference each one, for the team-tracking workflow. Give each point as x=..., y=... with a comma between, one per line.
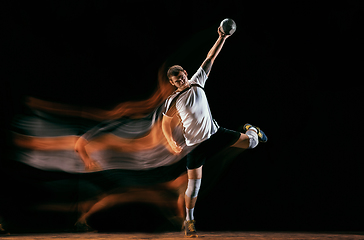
x=261, y=135
x=190, y=230
x=83, y=227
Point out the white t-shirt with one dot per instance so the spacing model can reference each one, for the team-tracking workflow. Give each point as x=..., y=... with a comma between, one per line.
x=194, y=111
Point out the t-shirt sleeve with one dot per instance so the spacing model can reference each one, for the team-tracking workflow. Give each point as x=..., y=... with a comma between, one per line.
x=167, y=103
x=170, y=108
x=199, y=77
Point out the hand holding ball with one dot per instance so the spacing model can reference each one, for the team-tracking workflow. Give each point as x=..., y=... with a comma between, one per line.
x=228, y=26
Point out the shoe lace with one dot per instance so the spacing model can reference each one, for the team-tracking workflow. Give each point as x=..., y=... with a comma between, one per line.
x=191, y=227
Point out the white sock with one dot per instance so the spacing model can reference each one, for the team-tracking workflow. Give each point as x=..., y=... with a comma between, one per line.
x=189, y=214
x=253, y=128
x=253, y=138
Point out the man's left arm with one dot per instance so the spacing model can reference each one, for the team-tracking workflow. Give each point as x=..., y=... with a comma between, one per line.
x=214, y=51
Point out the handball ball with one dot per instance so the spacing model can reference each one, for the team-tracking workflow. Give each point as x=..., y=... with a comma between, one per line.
x=228, y=26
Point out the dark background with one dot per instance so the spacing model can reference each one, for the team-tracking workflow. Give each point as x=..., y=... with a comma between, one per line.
x=293, y=69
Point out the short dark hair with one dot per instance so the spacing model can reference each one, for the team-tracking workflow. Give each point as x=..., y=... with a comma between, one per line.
x=174, y=71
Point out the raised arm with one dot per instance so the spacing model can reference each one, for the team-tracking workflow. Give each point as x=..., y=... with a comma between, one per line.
x=214, y=51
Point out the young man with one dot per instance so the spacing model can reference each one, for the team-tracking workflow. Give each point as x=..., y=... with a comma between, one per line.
x=199, y=128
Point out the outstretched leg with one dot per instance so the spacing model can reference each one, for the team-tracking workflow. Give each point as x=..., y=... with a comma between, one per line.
x=248, y=140
x=253, y=135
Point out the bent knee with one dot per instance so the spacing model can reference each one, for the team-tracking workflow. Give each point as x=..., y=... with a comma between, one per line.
x=193, y=187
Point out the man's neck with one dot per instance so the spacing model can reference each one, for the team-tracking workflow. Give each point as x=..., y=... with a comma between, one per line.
x=183, y=87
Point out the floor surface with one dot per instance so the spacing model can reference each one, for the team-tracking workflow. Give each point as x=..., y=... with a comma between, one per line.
x=180, y=235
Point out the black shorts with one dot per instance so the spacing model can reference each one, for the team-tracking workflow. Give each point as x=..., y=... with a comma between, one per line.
x=222, y=139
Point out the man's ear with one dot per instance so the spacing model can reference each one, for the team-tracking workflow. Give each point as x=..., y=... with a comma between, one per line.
x=171, y=82
x=185, y=72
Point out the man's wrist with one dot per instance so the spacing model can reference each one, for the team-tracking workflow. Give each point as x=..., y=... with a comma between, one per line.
x=224, y=36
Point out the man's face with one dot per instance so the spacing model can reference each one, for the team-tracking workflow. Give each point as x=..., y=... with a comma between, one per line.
x=180, y=80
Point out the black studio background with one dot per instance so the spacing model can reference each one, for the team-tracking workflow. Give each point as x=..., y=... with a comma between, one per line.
x=292, y=68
